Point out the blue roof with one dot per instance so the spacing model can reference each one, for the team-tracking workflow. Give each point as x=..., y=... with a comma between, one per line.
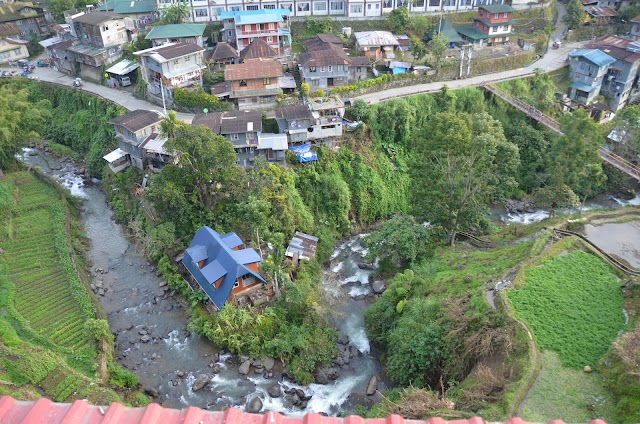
x=582, y=86
x=595, y=56
x=197, y=253
x=232, y=240
x=255, y=16
x=221, y=262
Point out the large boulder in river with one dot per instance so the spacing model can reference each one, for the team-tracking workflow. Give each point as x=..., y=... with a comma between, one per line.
x=343, y=339
x=326, y=374
x=268, y=363
x=244, y=367
x=254, y=405
x=274, y=391
x=201, y=381
x=378, y=287
x=367, y=267
x=372, y=386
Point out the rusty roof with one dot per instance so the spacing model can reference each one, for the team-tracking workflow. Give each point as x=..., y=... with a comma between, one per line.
x=615, y=47
x=172, y=51
x=223, y=51
x=44, y=411
x=332, y=55
x=258, y=48
x=137, y=119
x=95, y=18
x=8, y=30
x=253, y=69
x=600, y=12
x=231, y=122
x=636, y=20
x=294, y=112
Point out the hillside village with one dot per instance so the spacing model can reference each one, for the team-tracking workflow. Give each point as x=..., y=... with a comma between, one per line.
x=261, y=237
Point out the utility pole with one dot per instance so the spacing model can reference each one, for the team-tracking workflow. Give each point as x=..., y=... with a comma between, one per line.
x=461, y=59
x=469, y=59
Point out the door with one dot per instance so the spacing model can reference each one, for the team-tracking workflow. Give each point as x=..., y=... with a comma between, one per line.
x=329, y=82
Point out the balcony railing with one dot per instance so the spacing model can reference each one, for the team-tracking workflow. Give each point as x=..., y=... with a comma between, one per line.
x=253, y=33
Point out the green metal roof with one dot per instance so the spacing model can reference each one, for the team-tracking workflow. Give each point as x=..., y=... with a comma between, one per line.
x=125, y=7
x=176, y=31
x=497, y=8
x=448, y=31
x=472, y=33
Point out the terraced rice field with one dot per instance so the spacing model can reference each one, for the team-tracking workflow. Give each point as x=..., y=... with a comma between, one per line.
x=42, y=294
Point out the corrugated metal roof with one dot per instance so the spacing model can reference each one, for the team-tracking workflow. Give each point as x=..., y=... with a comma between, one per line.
x=497, y=8
x=45, y=411
x=376, y=38
x=594, y=56
x=176, y=31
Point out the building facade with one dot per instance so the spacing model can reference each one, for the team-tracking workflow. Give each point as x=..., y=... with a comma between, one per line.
x=173, y=65
x=587, y=69
x=254, y=84
x=492, y=25
x=270, y=25
x=28, y=17
x=177, y=33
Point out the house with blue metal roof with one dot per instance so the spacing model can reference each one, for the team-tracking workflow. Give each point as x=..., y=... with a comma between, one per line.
x=240, y=28
x=587, y=69
x=220, y=265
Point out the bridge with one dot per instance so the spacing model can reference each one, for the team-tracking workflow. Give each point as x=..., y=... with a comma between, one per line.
x=605, y=154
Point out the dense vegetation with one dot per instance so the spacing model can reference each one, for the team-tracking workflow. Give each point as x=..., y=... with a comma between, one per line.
x=573, y=306
x=48, y=346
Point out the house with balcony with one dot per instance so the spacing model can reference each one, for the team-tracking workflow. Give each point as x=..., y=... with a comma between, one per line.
x=28, y=17
x=377, y=45
x=139, y=142
x=244, y=130
x=302, y=124
x=100, y=37
x=587, y=69
x=12, y=48
x=240, y=28
x=173, y=65
x=492, y=25
x=325, y=68
x=619, y=85
x=138, y=15
x=255, y=83
x=177, y=33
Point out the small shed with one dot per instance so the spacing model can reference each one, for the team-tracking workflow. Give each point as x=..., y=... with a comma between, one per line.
x=302, y=246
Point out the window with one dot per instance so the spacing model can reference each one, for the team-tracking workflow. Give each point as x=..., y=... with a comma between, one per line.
x=387, y=4
x=243, y=83
x=303, y=7
x=337, y=5
x=236, y=284
x=481, y=12
x=312, y=68
x=176, y=62
x=230, y=34
x=419, y=3
x=320, y=6
x=505, y=15
x=369, y=6
x=329, y=68
x=269, y=6
x=252, y=7
x=496, y=16
x=505, y=28
x=492, y=29
x=235, y=8
x=187, y=59
x=315, y=83
x=247, y=28
x=16, y=52
x=355, y=8
x=201, y=13
x=233, y=136
x=484, y=27
x=272, y=25
x=250, y=279
x=322, y=69
x=269, y=39
x=266, y=81
x=434, y=3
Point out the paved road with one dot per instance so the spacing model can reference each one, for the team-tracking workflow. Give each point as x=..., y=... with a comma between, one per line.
x=119, y=96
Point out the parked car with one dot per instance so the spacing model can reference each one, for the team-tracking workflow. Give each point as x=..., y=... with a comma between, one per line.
x=125, y=81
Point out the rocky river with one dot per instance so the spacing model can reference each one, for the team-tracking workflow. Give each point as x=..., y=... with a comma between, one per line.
x=179, y=368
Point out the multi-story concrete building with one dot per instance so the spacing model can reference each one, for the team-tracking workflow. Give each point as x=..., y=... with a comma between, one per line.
x=173, y=65
x=29, y=18
x=587, y=69
x=269, y=25
x=255, y=83
x=492, y=25
x=303, y=124
x=177, y=33
x=12, y=48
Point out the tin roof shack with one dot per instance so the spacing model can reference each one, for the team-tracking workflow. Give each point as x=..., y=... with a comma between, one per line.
x=377, y=45
x=244, y=130
x=301, y=246
x=586, y=72
x=221, y=267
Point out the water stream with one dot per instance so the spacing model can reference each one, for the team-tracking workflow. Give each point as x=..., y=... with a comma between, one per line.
x=150, y=323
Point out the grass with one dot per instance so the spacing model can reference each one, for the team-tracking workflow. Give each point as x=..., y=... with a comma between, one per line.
x=573, y=306
x=566, y=393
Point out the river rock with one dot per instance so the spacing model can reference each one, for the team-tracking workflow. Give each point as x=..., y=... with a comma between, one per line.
x=254, y=405
x=101, y=291
x=163, y=283
x=244, y=367
x=142, y=332
x=243, y=358
x=367, y=267
x=372, y=386
x=268, y=363
x=201, y=381
x=257, y=363
x=300, y=394
x=518, y=206
x=145, y=339
x=180, y=374
x=343, y=339
x=378, y=286
x=587, y=369
x=152, y=392
x=93, y=287
x=303, y=404
x=274, y=391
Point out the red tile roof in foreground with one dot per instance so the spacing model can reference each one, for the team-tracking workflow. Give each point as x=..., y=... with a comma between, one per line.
x=80, y=412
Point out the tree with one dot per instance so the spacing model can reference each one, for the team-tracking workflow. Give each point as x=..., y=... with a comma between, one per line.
x=358, y=110
x=58, y=7
x=20, y=119
x=420, y=24
x=438, y=47
x=417, y=47
x=175, y=13
x=170, y=125
x=575, y=14
x=626, y=127
x=305, y=87
x=455, y=170
x=399, y=18
x=318, y=26
x=400, y=239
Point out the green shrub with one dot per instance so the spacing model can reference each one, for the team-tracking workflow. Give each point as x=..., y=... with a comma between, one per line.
x=120, y=377
x=198, y=98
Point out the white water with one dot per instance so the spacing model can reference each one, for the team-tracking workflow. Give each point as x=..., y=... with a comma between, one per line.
x=174, y=340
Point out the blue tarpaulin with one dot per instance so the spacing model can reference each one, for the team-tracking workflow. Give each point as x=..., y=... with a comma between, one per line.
x=304, y=153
